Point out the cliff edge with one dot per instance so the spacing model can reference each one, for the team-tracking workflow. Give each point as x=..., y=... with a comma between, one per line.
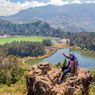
x=43, y=79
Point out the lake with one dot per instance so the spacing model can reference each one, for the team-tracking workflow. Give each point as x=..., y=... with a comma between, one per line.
x=84, y=60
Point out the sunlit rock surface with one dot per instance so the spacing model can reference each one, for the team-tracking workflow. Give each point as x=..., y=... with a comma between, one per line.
x=43, y=79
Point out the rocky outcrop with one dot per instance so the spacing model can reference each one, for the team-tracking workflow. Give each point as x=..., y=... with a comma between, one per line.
x=43, y=79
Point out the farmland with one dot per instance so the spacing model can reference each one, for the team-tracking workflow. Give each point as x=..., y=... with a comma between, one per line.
x=21, y=38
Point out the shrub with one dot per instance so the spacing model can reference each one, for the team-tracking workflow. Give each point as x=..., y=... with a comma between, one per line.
x=92, y=85
x=10, y=71
x=47, y=42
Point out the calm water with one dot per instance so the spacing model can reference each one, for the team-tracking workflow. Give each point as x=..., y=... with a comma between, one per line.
x=84, y=61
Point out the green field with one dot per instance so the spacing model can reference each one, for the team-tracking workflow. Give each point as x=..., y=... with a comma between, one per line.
x=21, y=38
x=34, y=61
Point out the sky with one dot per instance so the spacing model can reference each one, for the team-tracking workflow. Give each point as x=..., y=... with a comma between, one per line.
x=11, y=7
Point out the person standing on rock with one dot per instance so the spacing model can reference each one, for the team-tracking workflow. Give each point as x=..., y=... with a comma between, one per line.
x=71, y=66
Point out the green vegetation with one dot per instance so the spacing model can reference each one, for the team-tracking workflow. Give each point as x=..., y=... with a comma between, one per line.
x=38, y=28
x=13, y=69
x=19, y=88
x=92, y=85
x=33, y=61
x=10, y=71
x=84, y=52
x=12, y=76
x=22, y=38
x=24, y=49
x=75, y=48
x=88, y=53
x=47, y=42
x=59, y=65
x=79, y=92
x=83, y=40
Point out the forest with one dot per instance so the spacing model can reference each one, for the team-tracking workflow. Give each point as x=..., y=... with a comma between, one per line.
x=83, y=40
x=38, y=28
x=24, y=49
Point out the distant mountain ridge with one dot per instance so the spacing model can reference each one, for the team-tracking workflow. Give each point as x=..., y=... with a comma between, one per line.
x=72, y=18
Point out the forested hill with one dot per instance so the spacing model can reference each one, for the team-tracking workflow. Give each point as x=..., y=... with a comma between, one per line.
x=7, y=27
x=36, y=28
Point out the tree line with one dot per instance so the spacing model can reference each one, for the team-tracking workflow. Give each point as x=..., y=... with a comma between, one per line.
x=24, y=49
x=83, y=40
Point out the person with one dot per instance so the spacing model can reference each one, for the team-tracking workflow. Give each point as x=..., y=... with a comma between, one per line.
x=71, y=67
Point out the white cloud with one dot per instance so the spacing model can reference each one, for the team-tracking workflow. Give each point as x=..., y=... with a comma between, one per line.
x=58, y=2
x=9, y=8
x=90, y=1
x=76, y=1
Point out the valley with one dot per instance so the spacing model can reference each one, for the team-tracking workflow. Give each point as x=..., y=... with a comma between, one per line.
x=41, y=41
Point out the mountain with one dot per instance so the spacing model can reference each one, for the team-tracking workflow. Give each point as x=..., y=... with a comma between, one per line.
x=6, y=27
x=38, y=28
x=72, y=18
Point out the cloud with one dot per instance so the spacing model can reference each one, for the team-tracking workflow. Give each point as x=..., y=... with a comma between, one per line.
x=58, y=2
x=8, y=7
x=79, y=1
x=76, y=1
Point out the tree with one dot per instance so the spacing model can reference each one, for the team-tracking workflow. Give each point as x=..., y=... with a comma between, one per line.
x=47, y=42
x=24, y=49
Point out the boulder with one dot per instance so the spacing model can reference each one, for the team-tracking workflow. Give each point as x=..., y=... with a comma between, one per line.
x=43, y=79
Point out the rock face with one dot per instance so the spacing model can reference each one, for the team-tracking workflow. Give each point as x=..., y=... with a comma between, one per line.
x=43, y=80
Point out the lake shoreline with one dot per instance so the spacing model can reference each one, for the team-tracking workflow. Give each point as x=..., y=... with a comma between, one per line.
x=85, y=61
x=55, y=57
x=83, y=51
x=49, y=52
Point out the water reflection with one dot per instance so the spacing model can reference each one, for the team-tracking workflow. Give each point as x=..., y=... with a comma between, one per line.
x=84, y=59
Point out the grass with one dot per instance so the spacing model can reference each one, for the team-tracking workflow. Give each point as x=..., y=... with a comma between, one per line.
x=21, y=38
x=84, y=52
x=92, y=85
x=18, y=88
x=88, y=53
x=33, y=61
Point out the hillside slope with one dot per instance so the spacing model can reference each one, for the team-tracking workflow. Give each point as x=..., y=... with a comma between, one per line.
x=38, y=28
x=72, y=18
